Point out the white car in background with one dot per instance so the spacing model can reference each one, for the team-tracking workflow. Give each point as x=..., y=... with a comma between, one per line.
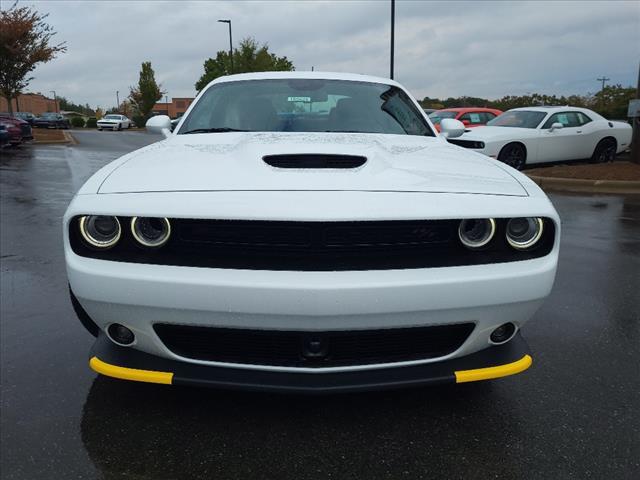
x=524, y=136
x=307, y=231
x=114, y=122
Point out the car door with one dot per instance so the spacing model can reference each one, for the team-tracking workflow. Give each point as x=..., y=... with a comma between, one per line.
x=566, y=143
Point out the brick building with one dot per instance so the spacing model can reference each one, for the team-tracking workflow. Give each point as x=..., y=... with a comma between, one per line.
x=175, y=108
x=35, y=103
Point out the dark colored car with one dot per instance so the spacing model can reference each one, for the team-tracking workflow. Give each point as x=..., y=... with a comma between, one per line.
x=4, y=135
x=25, y=129
x=26, y=116
x=13, y=134
x=51, y=120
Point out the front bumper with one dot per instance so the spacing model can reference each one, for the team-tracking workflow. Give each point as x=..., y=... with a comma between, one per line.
x=126, y=363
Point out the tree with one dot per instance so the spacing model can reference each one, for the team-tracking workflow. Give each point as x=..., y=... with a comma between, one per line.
x=249, y=57
x=612, y=102
x=25, y=41
x=148, y=92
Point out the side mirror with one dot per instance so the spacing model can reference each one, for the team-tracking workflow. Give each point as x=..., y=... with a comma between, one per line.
x=159, y=124
x=556, y=126
x=450, y=128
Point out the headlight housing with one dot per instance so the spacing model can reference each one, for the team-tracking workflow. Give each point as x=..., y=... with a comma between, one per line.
x=524, y=232
x=151, y=231
x=100, y=231
x=476, y=232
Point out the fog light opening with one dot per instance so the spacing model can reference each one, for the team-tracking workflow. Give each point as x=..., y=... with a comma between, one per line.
x=120, y=334
x=503, y=333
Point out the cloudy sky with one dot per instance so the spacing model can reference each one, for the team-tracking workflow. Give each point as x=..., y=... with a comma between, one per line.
x=487, y=49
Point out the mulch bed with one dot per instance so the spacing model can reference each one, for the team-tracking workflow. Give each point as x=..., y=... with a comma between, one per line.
x=620, y=170
x=48, y=135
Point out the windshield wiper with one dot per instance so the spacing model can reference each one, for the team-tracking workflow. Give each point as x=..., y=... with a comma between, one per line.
x=213, y=130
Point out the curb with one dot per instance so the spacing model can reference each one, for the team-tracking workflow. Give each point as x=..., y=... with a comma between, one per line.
x=579, y=185
x=68, y=140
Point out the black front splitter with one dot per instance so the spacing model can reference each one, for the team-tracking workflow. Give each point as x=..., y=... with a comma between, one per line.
x=110, y=359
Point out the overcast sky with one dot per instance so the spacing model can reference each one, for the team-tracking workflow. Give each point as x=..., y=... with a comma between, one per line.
x=486, y=49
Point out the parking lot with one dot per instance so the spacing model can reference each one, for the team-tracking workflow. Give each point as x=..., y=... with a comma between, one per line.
x=574, y=414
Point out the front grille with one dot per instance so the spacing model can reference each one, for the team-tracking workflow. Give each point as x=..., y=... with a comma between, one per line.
x=312, y=349
x=313, y=246
x=467, y=143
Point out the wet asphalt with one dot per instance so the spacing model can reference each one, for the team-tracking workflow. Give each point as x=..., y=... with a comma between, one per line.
x=575, y=414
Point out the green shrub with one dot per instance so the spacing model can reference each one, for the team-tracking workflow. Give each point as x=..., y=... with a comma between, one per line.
x=139, y=120
x=91, y=122
x=77, y=122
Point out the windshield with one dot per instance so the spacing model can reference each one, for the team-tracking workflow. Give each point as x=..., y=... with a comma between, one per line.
x=112, y=117
x=49, y=115
x=305, y=105
x=518, y=118
x=437, y=117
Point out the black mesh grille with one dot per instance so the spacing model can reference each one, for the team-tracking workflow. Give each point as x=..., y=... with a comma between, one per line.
x=312, y=349
x=313, y=246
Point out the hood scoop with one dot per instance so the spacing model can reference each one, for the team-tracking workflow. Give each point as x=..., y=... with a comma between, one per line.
x=314, y=160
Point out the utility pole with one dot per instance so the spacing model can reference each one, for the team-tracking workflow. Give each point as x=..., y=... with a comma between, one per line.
x=166, y=101
x=55, y=100
x=117, y=102
x=603, y=79
x=635, y=140
x=230, y=43
x=393, y=32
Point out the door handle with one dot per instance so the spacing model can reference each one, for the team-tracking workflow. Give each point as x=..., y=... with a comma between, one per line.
x=579, y=131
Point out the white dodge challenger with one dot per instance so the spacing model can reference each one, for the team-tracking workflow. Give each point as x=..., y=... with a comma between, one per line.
x=308, y=232
x=530, y=135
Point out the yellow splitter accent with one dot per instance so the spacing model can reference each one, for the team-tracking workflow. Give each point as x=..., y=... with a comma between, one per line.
x=134, y=374
x=151, y=376
x=507, y=369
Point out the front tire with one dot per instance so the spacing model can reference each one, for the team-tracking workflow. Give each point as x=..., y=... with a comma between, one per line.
x=514, y=155
x=605, y=151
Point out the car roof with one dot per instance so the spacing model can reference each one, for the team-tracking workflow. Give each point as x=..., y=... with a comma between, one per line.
x=552, y=108
x=354, y=77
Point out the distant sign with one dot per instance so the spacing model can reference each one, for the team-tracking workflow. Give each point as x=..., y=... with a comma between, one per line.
x=634, y=108
x=298, y=99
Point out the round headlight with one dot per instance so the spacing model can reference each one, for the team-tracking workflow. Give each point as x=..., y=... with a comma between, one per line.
x=151, y=231
x=476, y=232
x=100, y=231
x=524, y=232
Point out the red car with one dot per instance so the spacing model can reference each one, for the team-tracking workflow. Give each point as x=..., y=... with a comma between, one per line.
x=25, y=129
x=470, y=116
x=14, y=132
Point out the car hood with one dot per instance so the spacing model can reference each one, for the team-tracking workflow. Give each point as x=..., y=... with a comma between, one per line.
x=234, y=162
x=488, y=133
x=107, y=120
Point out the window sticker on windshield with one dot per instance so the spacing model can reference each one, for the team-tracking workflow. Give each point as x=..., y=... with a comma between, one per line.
x=475, y=117
x=298, y=99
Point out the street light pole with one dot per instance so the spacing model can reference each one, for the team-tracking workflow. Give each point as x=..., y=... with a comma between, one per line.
x=603, y=80
x=117, y=102
x=55, y=100
x=393, y=30
x=230, y=43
